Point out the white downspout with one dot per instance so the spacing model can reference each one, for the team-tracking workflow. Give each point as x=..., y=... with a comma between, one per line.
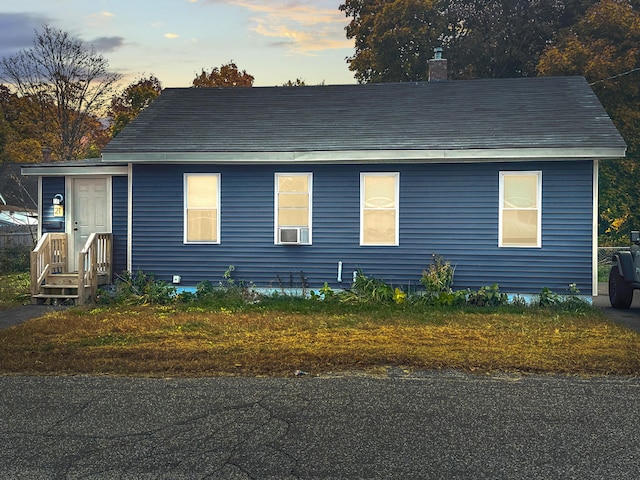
x=129, y=215
x=594, y=254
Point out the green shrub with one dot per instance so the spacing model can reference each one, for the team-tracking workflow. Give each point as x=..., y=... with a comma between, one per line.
x=569, y=302
x=138, y=289
x=488, y=297
x=547, y=298
x=204, y=288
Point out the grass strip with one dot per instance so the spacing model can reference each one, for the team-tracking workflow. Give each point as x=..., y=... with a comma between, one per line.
x=168, y=341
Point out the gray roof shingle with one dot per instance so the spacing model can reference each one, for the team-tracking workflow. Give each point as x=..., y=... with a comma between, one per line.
x=516, y=113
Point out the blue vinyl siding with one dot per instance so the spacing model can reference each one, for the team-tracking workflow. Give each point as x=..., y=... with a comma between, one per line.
x=451, y=210
x=50, y=187
x=119, y=204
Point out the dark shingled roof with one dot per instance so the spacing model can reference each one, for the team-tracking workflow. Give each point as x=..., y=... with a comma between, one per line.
x=514, y=113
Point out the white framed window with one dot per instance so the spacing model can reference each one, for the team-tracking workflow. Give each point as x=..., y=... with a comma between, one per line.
x=292, y=216
x=201, y=208
x=380, y=208
x=520, y=222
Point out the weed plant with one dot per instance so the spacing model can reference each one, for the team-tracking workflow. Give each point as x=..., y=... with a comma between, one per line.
x=438, y=278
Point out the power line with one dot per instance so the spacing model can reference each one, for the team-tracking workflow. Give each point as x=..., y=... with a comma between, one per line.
x=615, y=76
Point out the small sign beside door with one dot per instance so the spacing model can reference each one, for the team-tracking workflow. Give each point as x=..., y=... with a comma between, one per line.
x=58, y=202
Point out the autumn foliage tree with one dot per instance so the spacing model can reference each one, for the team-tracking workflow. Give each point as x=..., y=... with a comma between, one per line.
x=604, y=46
x=134, y=98
x=64, y=83
x=226, y=76
x=24, y=128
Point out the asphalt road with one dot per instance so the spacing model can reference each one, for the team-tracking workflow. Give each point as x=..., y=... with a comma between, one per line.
x=423, y=426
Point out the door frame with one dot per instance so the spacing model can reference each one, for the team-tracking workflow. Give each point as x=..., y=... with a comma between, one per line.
x=70, y=211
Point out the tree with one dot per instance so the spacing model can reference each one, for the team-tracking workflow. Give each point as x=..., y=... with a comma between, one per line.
x=97, y=137
x=394, y=39
x=503, y=38
x=66, y=83
x=226, y=76
x=23, y=129
x=604, y=46
x=298, y=82
x=135, y=98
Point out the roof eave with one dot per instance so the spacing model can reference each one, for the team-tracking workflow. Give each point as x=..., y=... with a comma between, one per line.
x=61, y=169
x=372, y=156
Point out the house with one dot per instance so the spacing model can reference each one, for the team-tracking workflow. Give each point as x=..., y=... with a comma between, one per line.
x=18, y=225
x=16, y=216
x=305, y=185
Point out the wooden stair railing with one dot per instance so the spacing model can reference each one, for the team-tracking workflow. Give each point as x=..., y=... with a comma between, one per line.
x=50, y=278
x=48, y=258
x=94, y=266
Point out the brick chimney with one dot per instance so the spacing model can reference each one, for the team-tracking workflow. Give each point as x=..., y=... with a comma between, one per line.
x=438, y=67
x=46, y=155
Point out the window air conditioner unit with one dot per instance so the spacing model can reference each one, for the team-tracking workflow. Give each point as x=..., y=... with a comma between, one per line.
x=293, y=235
x=290, y=235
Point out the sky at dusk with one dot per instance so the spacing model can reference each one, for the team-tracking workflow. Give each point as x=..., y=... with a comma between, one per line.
x=273, y=40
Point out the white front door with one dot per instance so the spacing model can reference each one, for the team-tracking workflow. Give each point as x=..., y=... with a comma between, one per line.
x=89, y=213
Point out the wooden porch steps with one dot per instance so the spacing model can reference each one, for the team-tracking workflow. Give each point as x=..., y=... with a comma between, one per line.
x=49, y=298
x=58, y=288
x=62, y=288
x=51, y=281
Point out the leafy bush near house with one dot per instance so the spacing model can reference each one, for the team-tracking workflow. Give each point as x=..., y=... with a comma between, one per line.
x=138, y=288
x=142, y=288
x=547, y=298
x=488, y=297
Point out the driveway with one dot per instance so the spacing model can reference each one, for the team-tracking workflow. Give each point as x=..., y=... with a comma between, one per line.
x=21, y=314
x=629, y=317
